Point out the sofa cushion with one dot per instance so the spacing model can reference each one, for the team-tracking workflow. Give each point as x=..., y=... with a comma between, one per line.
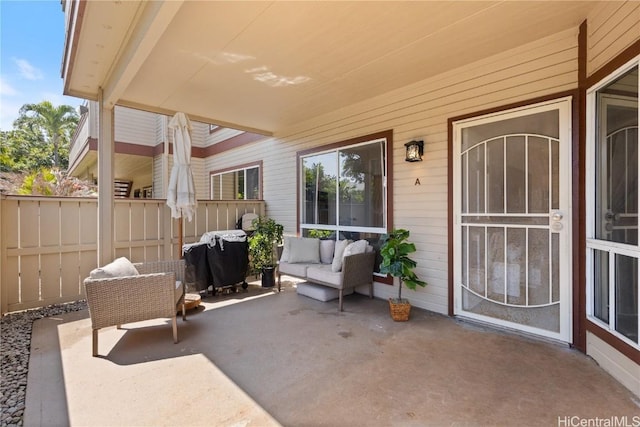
x=298, y=270
x=284, y=257
x=324, y=273
x=304, y=249
x=358, y=247
x=326, y=251
x=319, y=292
x=120, y=267
x=336, y=264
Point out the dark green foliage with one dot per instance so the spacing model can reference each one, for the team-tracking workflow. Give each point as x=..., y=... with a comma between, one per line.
x=396, y=262
x=40, y=138
x=263, y=241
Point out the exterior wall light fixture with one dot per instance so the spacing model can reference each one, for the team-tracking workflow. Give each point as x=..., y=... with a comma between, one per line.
x=415, y=149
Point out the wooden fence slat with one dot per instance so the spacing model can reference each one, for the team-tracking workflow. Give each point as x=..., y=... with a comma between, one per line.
x=121, y=222
x=10, y=221
x=29, y=279
x=152, y=221
x=49, y=245
x=123, y=252
x=70, y=223
x=137, y=219
x=88, y=261
x=11, y=280
x=70, y=275
x=49, y=223
x=88, y=223
x=29, y=212
x=50, y=276
x=136, y=254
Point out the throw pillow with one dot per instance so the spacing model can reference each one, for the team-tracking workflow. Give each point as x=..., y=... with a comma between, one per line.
x=336, y=265
x=304, y=249
x=284, y=257
x=326, y=251
x=118, y=268
x=358, y=247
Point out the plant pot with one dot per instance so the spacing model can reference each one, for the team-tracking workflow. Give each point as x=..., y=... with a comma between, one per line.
x=268, y=277
x=399, y=309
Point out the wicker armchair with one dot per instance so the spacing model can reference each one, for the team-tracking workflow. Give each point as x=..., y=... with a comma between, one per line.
x=153, y=293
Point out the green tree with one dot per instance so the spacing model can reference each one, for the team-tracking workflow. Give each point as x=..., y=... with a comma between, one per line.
x=55, y=124
x=6, y=160
x=23, y=150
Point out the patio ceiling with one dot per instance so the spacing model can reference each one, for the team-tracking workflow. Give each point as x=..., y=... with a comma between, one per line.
x=262, y=66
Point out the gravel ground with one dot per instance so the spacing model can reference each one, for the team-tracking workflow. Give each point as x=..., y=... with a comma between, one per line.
x=15, y=347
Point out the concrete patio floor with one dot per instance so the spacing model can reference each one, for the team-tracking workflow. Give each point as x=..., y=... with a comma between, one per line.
x=261, y=358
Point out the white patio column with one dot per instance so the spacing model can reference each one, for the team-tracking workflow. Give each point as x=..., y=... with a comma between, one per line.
x=105, y=181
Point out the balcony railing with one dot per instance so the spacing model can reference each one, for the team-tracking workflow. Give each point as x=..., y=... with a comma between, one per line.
x=79, y=140
x=49, y=245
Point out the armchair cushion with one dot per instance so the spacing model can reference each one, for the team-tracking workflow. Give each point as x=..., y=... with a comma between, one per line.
x=179, y=291
x=336, y=265
x=121, y=267
x=299, y=270
x=324, y=274
x=358, y=247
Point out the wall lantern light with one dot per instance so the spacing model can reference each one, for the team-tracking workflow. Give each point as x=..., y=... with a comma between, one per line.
x=415, y=149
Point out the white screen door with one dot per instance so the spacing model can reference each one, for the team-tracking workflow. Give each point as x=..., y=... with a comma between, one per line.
x=512, y=254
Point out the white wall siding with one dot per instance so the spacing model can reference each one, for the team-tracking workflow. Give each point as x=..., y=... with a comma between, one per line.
x=222, y=135
x=158, y=176
x=161, y=122
x=418, y=111
x=94, y=113
x=611, y=27
x=135, y=126
x=614, y=362
x=200, y=178
x=199, y=133
x=81, y=139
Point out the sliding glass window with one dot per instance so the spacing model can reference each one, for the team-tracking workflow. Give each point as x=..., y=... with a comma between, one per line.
x=612, y=175
x=343, y=192
x=238, y=184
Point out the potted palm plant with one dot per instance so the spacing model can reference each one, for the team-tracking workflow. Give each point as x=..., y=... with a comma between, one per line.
x=266, y=236
x=395, y=261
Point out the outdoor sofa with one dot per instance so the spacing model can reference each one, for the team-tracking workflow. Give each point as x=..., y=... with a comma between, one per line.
x=339, y=265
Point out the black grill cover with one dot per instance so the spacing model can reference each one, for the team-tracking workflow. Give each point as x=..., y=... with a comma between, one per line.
x=197, y=266
x=228, y=262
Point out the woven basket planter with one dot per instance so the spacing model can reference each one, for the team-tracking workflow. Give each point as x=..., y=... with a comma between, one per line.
x=399, y=310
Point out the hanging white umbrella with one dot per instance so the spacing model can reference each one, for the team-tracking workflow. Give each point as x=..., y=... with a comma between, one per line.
x=181, y=192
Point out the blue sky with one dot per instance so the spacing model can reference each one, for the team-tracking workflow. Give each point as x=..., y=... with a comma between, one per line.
x=31, y=44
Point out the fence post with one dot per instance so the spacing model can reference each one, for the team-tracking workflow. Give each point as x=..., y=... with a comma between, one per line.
x=167, y=231
x=3, y=255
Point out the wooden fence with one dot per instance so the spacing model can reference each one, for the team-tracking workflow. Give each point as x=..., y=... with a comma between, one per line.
x=48, y=245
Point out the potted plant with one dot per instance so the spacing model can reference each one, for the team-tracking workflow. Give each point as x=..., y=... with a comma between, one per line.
x=395, y=261
x=266, y=236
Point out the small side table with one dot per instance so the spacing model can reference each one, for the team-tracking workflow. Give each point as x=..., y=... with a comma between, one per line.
x=191, y=301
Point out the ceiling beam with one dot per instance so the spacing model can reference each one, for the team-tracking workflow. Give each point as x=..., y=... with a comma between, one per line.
x=146, y=29
x=195, y=118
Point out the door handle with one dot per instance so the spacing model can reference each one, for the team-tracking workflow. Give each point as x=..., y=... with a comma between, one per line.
x=611, y=216
x=557, y=216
